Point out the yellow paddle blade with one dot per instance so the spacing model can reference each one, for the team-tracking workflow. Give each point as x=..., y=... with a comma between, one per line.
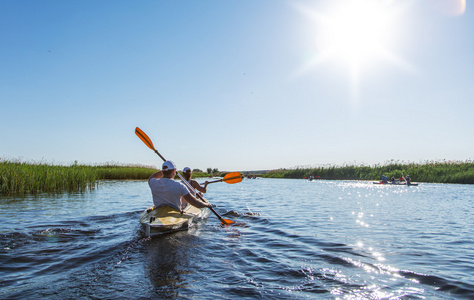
x=144, y=138
x=233, y=177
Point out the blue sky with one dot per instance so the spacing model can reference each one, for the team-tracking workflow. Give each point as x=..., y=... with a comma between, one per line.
x=237, y=85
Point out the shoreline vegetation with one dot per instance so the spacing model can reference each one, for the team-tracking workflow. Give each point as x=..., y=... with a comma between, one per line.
x=19, y=178
x=429, y=171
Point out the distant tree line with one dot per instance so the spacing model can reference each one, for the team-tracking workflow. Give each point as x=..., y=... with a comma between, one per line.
x=212, y=171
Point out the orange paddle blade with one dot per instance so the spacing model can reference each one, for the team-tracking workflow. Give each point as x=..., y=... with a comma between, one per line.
x=223, y=221
x=226, y=222
x=144, y=138
x=233, y=177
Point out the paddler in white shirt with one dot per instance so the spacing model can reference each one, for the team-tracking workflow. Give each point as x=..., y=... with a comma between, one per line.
x=168, y=192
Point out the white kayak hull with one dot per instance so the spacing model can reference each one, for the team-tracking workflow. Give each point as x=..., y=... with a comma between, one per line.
x=155, y=221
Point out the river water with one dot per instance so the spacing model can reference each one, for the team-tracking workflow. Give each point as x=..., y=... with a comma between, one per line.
x=294, y=239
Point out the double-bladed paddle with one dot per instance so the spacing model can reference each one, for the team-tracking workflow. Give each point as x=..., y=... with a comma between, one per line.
x=148, y=142
x=230, y=178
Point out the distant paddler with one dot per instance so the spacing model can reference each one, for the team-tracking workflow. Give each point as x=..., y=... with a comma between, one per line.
x=384, y=179
x=168, y=192
x=408, y=179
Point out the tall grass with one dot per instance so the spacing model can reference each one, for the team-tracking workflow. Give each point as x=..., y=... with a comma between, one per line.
x=130, y=172
x=428, y=171
x=20, y=178
x=31, y=178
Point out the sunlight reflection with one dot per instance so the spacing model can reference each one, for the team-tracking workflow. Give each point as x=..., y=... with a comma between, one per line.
x=378, y=256
x=362, y=223
x=368, y=290
x=364, y=266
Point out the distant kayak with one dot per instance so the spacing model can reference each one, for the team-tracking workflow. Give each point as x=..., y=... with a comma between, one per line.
x=164, y=219
x=394, y=183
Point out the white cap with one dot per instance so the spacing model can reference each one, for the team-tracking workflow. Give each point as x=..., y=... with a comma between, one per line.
x=168, y=165
x=187, y=169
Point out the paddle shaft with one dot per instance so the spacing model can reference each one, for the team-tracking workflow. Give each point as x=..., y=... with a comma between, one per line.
x=214, y=181
x=200, y=197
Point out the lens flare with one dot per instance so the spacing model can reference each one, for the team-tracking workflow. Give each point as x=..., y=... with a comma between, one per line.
x=450, y=7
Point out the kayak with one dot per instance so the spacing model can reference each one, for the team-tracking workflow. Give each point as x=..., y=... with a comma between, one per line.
x=394, y=183
x=164, y=219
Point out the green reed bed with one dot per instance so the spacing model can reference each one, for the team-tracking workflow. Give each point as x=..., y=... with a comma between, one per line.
x=18, y=177
x=123, y=172
x=23, y=178
x=429, y=171
x=110, y=172
x=31, y=178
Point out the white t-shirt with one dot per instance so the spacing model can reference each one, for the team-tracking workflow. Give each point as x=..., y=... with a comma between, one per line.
x=168, y=192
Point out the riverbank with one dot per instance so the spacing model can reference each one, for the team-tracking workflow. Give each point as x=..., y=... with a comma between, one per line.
x=430, y=171
x=18, y=177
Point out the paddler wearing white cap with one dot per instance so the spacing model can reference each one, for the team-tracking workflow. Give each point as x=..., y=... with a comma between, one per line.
x=168, y=192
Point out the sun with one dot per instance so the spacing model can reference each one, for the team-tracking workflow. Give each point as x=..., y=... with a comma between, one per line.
x=354, y=34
